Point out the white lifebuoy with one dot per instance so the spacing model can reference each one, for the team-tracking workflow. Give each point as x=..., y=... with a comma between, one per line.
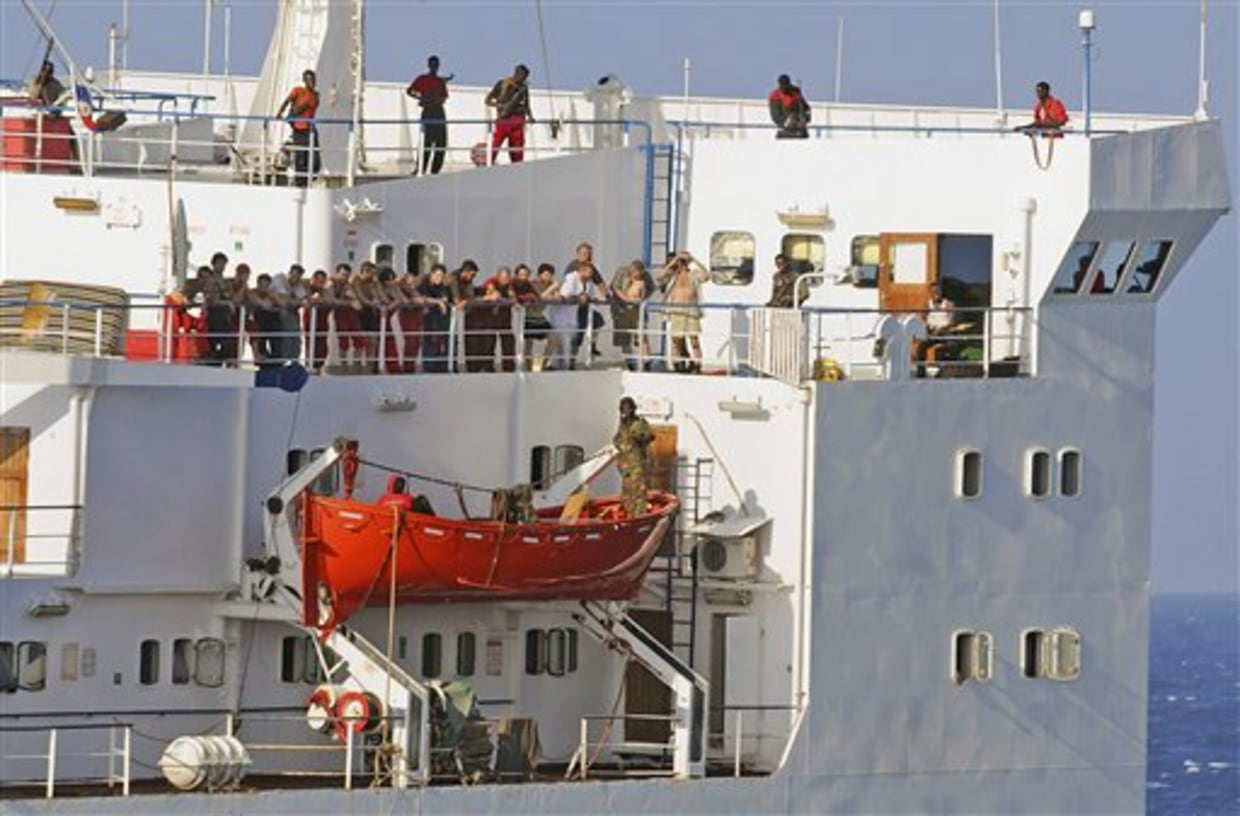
x=321, y=707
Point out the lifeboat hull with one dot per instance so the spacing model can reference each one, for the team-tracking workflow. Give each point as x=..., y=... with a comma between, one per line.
x=351, y=549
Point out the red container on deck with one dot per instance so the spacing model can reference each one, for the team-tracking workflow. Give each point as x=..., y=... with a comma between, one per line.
x=38, y=144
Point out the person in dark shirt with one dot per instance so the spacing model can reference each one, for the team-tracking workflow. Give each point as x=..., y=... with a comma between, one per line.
x=436, y=296
x=431, y=91
x=789, y=110
x=511, y=99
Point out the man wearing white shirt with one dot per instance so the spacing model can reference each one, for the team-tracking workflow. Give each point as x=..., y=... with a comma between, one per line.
x=291, y=293
x=562, y=314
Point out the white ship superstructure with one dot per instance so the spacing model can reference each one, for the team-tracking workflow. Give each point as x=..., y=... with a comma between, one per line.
x=910, y=573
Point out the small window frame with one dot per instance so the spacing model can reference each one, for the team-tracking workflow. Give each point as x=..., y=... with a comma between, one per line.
x=723, y=271
x=542, y=466
x=431, y=657
x=1065, y=281
x=184, y=661
x=813, y=239
x=972, y=656
x=431, y=253
x=863, y=275
x=1039, y=475
x=970, y=479
x=565, y=458
x=383, y=254
x=535, y=652
x=466, y=654
x=210, y=662
x=149, y=659
x=8, y=667
x=1111, y=249
x=1164, y=250
x=1071, y=468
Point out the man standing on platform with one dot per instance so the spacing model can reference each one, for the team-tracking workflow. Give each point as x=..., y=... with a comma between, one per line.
x=431, y=91
x=632, y=441
x=511, y=99
x=302, y=103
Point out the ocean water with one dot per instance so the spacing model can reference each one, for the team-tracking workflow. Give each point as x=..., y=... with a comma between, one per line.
x=1194, y=714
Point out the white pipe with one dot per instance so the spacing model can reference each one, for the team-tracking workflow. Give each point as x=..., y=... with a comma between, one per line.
x=124, y=35
x=804, y=579
x=206, y=37
x=1203, y=84
x=839, y=58
x=998, y=67
x=112, y=35
x=227, y=41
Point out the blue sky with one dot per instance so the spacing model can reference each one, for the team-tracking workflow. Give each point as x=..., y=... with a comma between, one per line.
x=915, y=51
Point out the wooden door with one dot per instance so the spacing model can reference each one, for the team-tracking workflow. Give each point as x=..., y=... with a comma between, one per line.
x=14, y=445
x=661, y=461
x=907, y=264
x=643, y=693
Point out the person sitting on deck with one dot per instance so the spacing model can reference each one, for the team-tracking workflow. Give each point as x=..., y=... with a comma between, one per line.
x=1049, y=114
x=396, y=495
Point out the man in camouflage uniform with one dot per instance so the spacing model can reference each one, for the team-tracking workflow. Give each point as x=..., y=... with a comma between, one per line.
x=631, y=440
x=783, y=286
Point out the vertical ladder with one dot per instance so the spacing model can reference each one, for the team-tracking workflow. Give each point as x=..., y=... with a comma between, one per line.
x=663, y=204
x=693, y=487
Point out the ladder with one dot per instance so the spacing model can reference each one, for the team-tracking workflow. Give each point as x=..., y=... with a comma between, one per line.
x=693, y=488
x=662, y=205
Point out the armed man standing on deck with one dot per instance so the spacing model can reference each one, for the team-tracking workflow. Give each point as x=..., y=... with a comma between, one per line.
x=632, y=441
x=511, y=99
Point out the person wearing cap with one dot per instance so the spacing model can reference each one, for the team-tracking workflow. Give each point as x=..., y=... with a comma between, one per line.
x=511, y=99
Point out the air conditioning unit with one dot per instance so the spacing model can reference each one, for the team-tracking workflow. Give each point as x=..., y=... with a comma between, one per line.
x=730, y=558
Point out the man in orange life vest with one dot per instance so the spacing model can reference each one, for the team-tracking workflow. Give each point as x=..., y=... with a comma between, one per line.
x=302, y=103
x=789, y=110
x=396, y=495
x=1049, y=114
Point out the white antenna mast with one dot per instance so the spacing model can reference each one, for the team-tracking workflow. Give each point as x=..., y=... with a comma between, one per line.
x=998, y=67
x=839, y=58
x=1203, y=84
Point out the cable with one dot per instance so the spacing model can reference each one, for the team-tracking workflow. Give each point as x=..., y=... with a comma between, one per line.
x=542, y=38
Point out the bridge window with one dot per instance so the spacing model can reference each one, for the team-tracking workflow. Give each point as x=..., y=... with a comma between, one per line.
x=1075, y=267
x=466, y=657
x=551, y=651
x=292, y=659
x=1148, y=265
x=972, y=656
x=1038, y=474
x=8, y=668
x=864, y=262
x=1111, y=268
x=732, y=258
x=805, y=253
x=968, y=474
x=148, y=662
x=535, y=652
x=432, y=654
x=419, y=258
x=1069, y=472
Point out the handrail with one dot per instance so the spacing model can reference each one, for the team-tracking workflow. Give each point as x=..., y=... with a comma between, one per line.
x=55, y=753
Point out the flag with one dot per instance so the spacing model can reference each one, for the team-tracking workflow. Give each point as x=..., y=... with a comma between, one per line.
x=85, y=105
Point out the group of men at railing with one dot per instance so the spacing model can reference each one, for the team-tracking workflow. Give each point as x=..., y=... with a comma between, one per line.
x=371, y=319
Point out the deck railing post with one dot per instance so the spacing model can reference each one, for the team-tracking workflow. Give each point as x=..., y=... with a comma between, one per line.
x=584, y=746
x=519, y=313
x=98, y=332
x=740, y=733
x=51, y=764
x=348, y=754
x=384, y=316
x=126, y=760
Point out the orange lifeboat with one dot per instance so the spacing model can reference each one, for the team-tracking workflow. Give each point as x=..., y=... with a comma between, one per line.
x=350, y=548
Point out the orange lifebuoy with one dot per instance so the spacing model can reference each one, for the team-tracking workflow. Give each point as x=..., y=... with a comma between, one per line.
x=357, y=711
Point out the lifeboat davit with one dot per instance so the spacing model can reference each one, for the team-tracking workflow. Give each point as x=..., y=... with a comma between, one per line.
x=349, y=547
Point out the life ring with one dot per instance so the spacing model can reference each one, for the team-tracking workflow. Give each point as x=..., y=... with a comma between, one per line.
x=321, y=707
x=356, y=711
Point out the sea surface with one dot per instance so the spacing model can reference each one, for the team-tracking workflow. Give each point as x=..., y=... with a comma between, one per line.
x=1194, y=714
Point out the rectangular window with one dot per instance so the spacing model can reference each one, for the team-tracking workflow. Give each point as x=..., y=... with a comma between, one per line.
x=972, y=656
x=968, y=474
x=148, y=662
x=466, y=657
x=865, y=261
x=402, y=648
x=732, y=258
x=572, y=651
x=805, y=254
x=292, y=659
x=182, y=661
x=1031, y=652
x=535, y=651
x=8, y=667
x=1054, y=654
x=568, y=457
x=1038, y=476
x=419, y=258
x=432, y=654
x=89, y=658
x=540, y=467
x=383, y=254
x=209, y=660
x=294, y=461
x=557, y=652
x=1075, y=267
x=32, y=665
x=1069, y=472
x=1147, y=266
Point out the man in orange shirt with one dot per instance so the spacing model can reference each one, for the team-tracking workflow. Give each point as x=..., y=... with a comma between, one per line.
x=431, y=91
x=302, y=103
x=1049, y=114
x=789, y=110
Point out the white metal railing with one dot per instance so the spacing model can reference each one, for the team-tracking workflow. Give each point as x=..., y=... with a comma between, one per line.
x=118, y=753
x=40, y=540
x=793, y=345
x=759, y=738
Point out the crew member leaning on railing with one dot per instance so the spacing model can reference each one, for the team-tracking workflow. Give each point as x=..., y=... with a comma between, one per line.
x=345, y=314
x=394, y=301
x=436, y=296
x=316, y=318
x=410, y=321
